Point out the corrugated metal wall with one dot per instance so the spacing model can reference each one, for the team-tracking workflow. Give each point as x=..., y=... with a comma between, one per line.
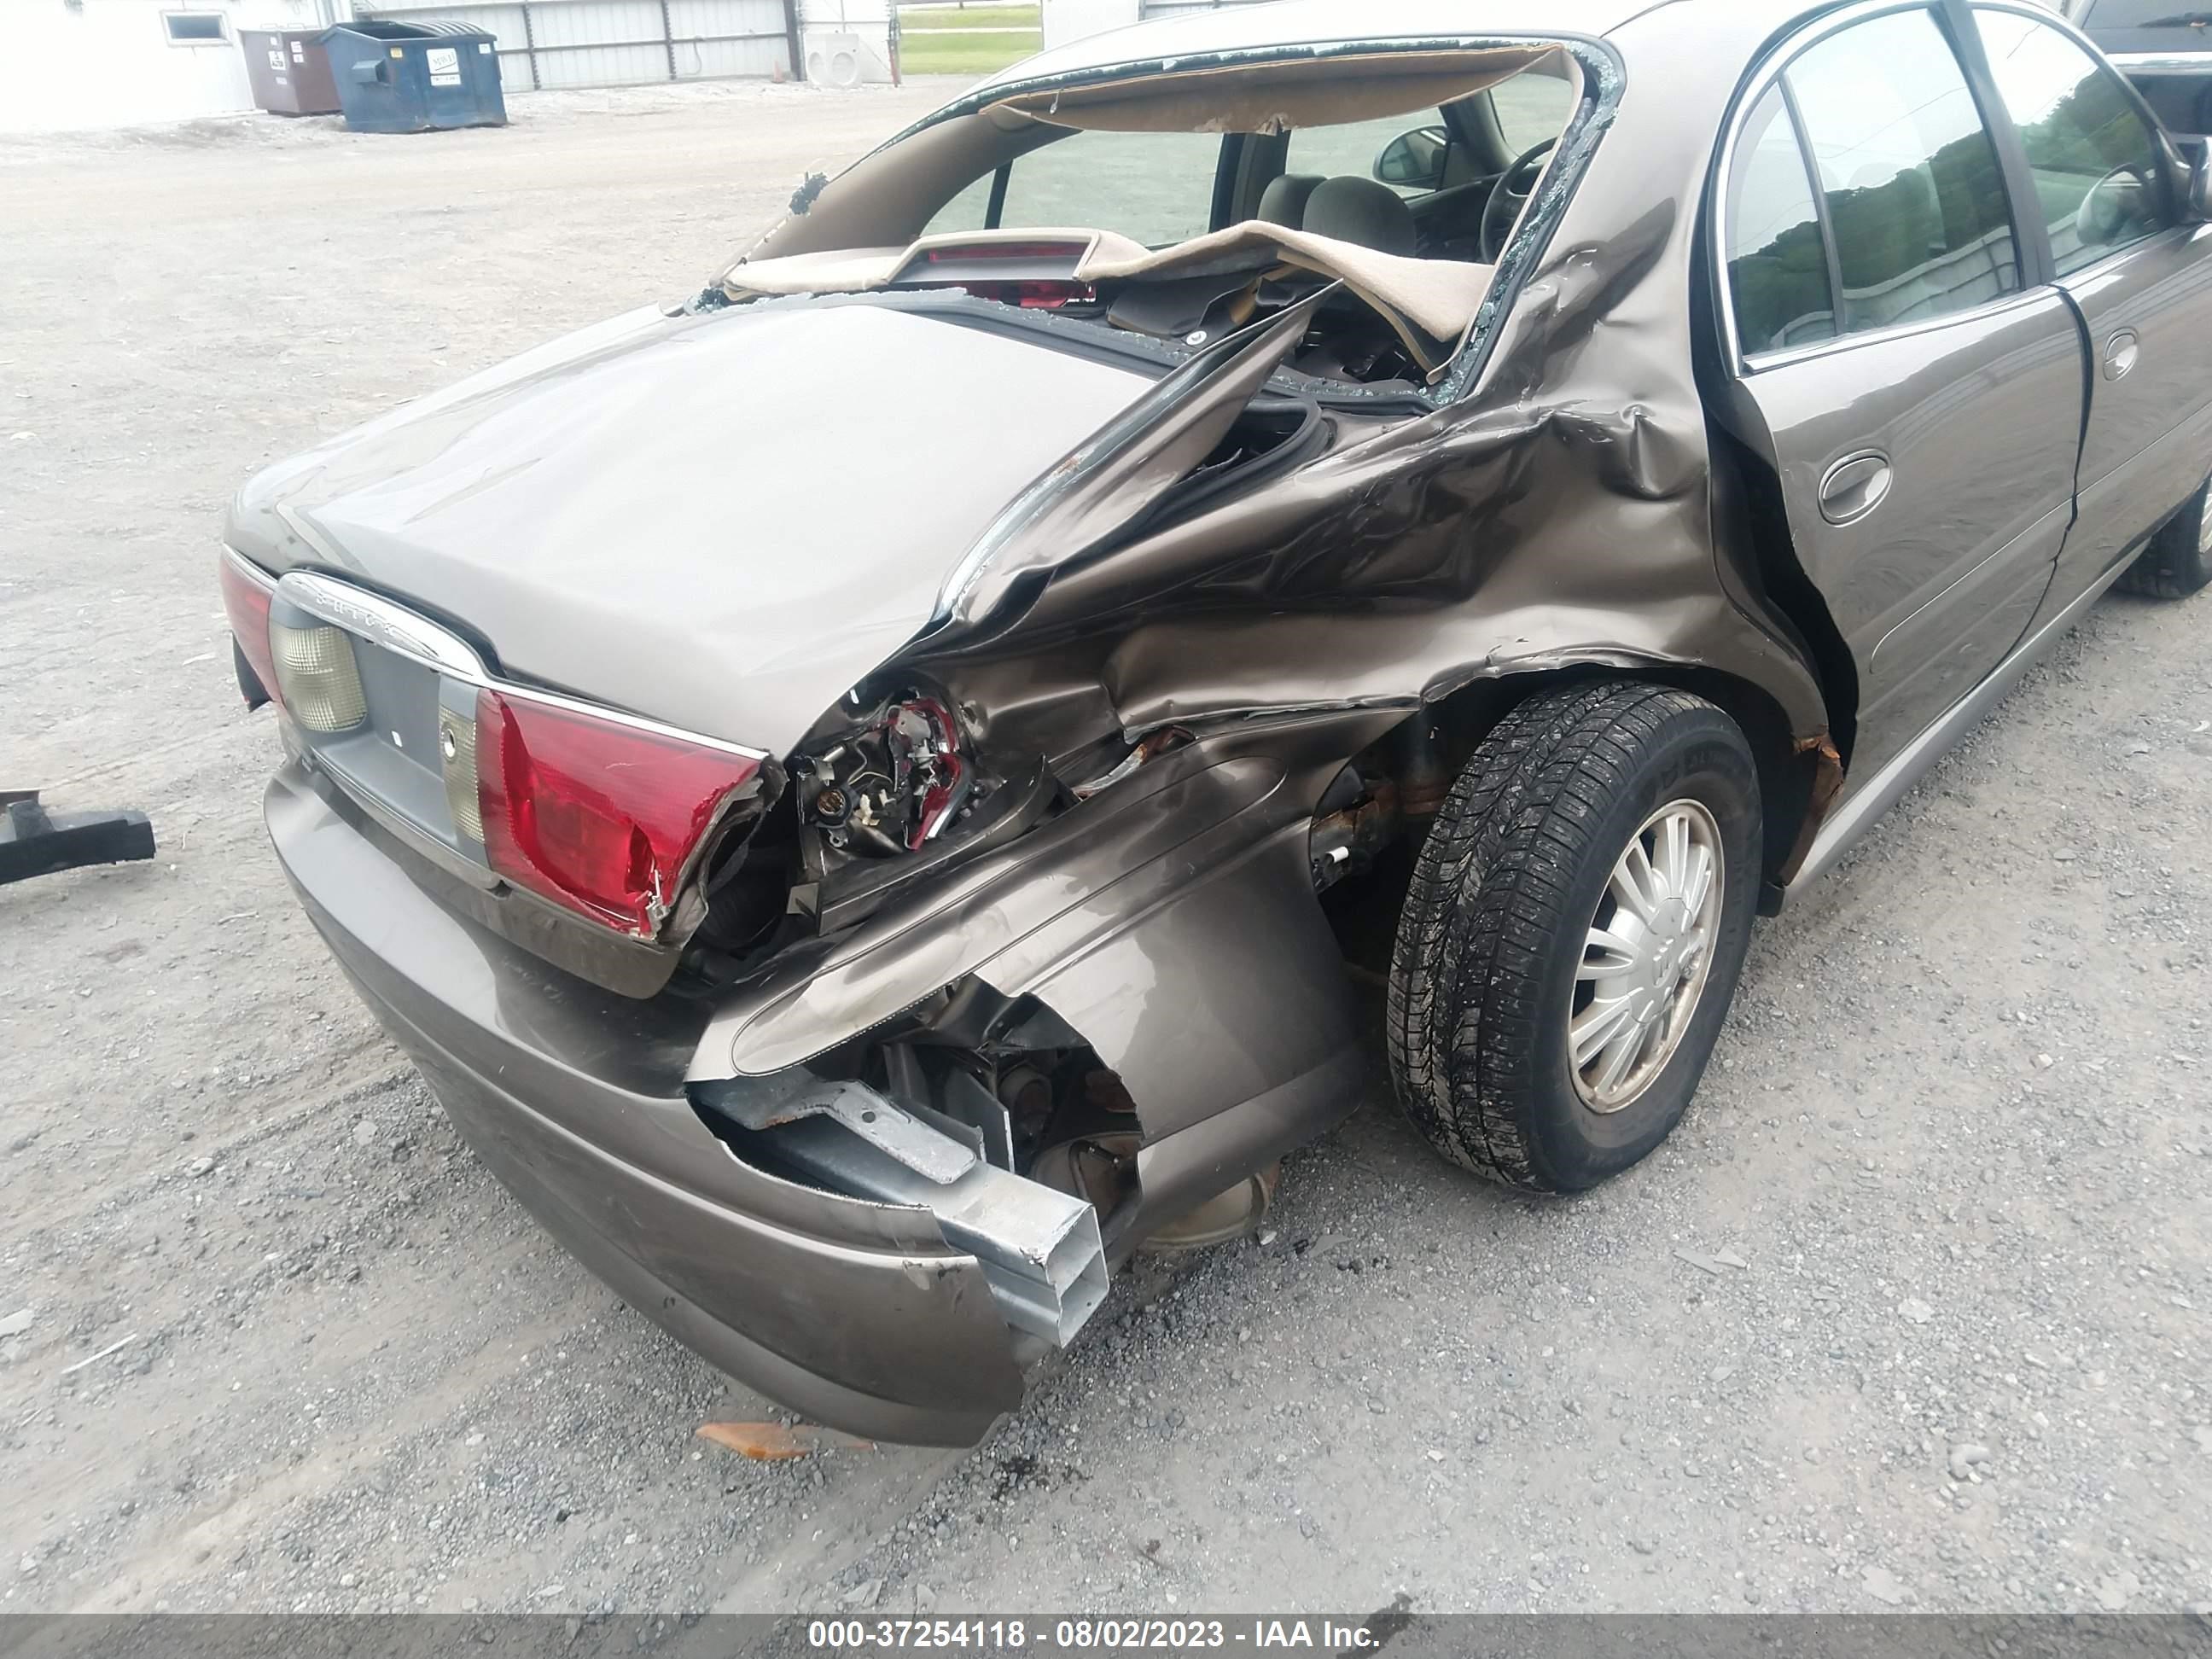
x=613, y=43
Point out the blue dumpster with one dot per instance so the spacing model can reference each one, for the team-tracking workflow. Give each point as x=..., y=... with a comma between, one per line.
x=413, y=77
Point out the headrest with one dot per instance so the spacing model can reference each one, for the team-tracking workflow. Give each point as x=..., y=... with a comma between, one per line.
x=1283, y=201
x=1351, y=209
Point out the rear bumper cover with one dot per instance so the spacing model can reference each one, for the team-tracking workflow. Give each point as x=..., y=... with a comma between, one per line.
x=857, y=1314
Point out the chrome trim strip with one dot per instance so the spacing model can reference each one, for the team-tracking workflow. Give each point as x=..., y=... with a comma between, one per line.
x=394, y=627
x=1864, y=805
x=2016, y=299
x=481, y=876
x=250, y=571
x=2103, y=262
x=2161, y=63
x=407, y=633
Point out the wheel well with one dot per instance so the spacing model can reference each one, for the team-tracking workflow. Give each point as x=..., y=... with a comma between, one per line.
x=1432, y=746
x=1422, y=756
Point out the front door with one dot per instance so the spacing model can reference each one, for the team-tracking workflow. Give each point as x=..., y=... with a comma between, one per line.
x=1921, y=404
x=2142, y=278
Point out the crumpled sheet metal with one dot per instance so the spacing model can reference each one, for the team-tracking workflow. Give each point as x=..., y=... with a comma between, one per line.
x=1017, y=917
x=816, y=994
x=1560, y=513
x=1120, y=470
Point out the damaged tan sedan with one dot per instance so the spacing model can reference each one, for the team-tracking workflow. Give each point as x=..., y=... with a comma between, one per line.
x=858, y=790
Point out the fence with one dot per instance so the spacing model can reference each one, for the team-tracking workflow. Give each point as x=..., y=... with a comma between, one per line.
x=612, y=43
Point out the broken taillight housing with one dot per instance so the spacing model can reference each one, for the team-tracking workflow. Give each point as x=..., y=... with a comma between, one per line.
x=990, y=271
x=246, y=598
x=598, y=816
x=1034, y=295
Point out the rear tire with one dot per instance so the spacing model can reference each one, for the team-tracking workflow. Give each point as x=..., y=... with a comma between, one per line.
x=2178, y=561
x=1516, y=947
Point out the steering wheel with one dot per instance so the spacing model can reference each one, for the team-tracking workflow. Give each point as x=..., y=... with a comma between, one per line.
x=1507, y=197
x=2111, y=206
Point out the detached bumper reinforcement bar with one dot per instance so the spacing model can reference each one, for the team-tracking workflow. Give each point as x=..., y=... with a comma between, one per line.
x=1040, y=1248
x=36, y=842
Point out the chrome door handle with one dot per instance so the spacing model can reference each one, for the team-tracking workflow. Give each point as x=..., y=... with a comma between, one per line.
x=2120, y=353
x=1855, y=486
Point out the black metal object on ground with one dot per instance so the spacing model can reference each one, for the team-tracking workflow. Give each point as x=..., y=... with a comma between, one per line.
x=36, y=842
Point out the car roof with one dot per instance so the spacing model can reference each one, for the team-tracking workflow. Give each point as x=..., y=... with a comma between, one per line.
x=1290, y=23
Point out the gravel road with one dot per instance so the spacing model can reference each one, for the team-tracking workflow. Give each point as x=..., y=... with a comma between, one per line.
x=1914, y=1311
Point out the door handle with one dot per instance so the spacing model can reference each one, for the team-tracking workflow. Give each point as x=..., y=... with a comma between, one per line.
x=1855, y=486
x=2120, y=353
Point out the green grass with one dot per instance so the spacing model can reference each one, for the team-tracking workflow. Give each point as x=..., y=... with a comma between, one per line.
x=1010, y=16
x=966, y=40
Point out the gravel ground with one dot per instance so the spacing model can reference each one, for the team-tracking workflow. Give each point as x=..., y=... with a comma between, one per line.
x=1911, y=1313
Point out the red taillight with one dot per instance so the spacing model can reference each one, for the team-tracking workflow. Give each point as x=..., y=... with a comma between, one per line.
x=245, y=596
x=596, y=815
x=1033, y=296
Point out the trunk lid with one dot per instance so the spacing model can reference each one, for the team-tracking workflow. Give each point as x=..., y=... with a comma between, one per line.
x=720, y=521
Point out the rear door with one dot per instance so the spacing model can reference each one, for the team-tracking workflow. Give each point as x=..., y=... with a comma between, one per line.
x=1891, y=348
x=2105, y=186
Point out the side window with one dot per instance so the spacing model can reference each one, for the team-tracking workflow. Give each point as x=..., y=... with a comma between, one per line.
x=1353, y=147
x=968, y=210
x=1777, y=264
x=1914, y=200
x=1530, y=108
x=1156, y=187
x=2098, y=179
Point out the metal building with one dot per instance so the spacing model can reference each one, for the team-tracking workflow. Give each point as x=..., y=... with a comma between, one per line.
x=614, y=43
x=80, y=63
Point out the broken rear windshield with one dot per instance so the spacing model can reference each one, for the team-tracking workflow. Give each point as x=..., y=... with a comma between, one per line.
x=1182, y=200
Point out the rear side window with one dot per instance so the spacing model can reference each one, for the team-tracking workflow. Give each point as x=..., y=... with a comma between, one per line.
x=2100, y=183
x=1157, y=187
x=1915, y=201
x=1777, y=265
